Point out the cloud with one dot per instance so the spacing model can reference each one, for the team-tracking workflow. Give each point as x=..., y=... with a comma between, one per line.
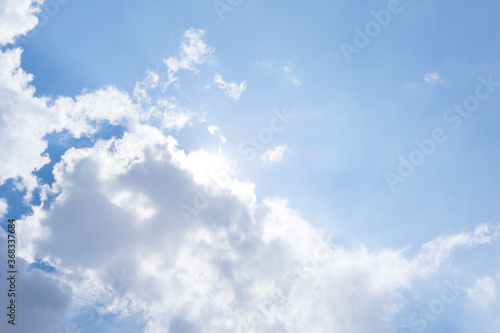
x=193, y=52
x=264, y=65
x=274, y=155
x=25, y=120
x=483, y=293
x=170, y=114
x=212, y=129
x=232, y=89
x=237, y=264
x=290, y=76
x=432, y=78
x=42, y=300
x=141, y=89
x=442, y=248
x=3, y=207
x=17, y=17
x=28, y=119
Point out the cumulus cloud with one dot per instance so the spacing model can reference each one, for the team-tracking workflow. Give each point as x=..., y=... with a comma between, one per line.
x=236, y=265
x=17, y=17
x=231, y=89
x=193, y=52
x=483, y=293
x=25, y=120
x=231, y=262
x=274, y=155
x=42, y=300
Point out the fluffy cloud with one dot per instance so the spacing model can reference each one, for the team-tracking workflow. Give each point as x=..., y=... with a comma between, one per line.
x=231, y=89
x=274, y=155
x=238, y=264
x=42, y=300
x=17, y=17
x=25, y=120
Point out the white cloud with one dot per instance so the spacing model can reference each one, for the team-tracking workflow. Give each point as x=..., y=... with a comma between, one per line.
x=435, y=252
x=17, y=17
x=274, y=155
x=290, y=76
x=231, y=89
x=25, y=120
x=166, y=114
x=3, y=207
x=236, y=263
x=42, y=300
x=212, y=129
x=193, y=52
x=432, y=78
x=483, y=293
x=175, y=119
x=171, y=114
x=141, y=89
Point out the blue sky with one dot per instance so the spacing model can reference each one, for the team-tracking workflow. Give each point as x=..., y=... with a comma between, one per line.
x=113, y=81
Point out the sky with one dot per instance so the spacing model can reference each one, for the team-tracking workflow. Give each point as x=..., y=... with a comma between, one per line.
x=250, y=166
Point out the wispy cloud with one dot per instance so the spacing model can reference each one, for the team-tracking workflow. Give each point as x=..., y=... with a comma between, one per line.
x=290, y=76
x=432, y=78
x=483, y=293
x=142, y=88
x=231, y=89
x=264, y=65
x=193, y=52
